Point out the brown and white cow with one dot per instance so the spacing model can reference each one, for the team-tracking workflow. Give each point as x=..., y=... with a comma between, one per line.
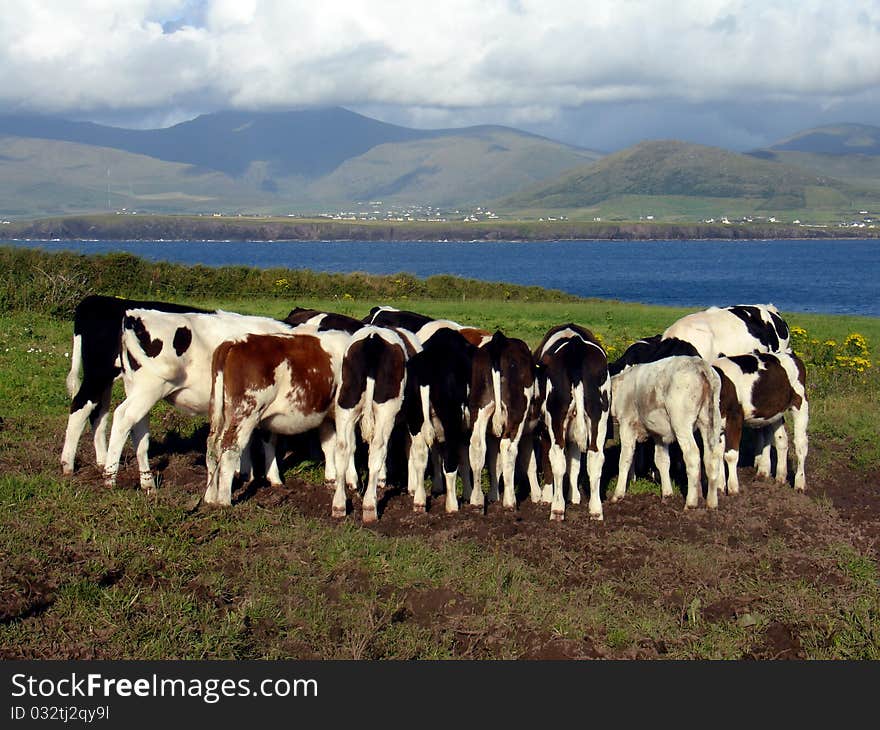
x=284, y=383
x=167, y=355
x=371, y=392
x=667, y=400
x=502, y=390
x=767, y=385
x=97, y=327
x=574, y=390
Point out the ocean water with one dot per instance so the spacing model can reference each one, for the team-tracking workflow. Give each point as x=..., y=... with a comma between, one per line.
x=829, y=276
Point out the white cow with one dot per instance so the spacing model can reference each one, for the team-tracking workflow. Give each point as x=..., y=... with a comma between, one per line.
x=668, y=400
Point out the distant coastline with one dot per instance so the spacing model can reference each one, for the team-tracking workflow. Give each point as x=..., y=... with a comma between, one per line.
x=151, y=227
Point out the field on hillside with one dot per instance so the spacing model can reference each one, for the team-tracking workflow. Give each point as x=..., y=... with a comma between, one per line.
x=89, y=572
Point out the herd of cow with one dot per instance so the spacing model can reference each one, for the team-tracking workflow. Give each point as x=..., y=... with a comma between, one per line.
x=464, y=395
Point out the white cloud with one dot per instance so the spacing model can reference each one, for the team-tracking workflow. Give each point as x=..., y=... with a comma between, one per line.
x=532, y=57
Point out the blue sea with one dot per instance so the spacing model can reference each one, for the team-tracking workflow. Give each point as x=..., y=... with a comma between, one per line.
x=829, y=276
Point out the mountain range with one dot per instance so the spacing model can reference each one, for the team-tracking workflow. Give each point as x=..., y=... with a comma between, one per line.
x=334, y=159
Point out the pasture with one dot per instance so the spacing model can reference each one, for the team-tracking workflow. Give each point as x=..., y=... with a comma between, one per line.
x=89, y=572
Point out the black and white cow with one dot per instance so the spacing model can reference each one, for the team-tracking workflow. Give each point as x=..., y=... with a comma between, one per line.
x=97, y=326
x=767, y=385
x=502, y=390
x=436, y=412
x=167, y=355
x=283, y=383
x=323, y=321
x=422, y=326
x=667, y=400
x=574, y=389
x=371, y=391
x=735, y=330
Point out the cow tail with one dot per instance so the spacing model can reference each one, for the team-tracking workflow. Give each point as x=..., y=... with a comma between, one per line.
x=427, y=427
x=580, y=427
x=498, y=415
x=715, y=424
x=73, y=381
x=368, y=421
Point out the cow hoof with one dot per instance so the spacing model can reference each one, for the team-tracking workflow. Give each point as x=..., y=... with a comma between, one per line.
x=597, y=517
x=330, y=484
x=67, y=470
x=338, y=512
x=557, y=516
x=509, y=507
x=419, y=509
x=381, y=484
x=368, y=515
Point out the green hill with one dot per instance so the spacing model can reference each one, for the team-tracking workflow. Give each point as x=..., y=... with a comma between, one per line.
x=265, y=163
x=847, y=152
x=676, y=179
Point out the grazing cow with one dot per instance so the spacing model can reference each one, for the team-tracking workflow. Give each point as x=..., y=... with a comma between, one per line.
x=323, y=321
x=668, y=400
x=284, y=383
x=732, y=330
x=422, y=326
x=371, y=391
x=651, y=349
x=502, y=389
x=436, y=412
x=766, y=386
x=575, y=394
x=168, y=356
x=97, y=326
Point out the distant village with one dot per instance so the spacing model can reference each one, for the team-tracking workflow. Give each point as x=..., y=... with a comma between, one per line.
x=376, y=210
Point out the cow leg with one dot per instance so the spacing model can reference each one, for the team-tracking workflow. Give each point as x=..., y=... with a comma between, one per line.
x=126, y=415
x=346, y=419
x=557, y=465
x=327, y=435
x=662, y=462
x=624, y=463
x=595, y=462
x=99, y=419
x=88, y=405
x=270, y=458
x=529, y=464
x=691, y=454
x=713, y=463
x=508, y=454
x=477, y=454
x=437, y=479
x=573, y=457
x=762, y=451
x=416, y=463
x=732, y=439
x=383, y=425
x=780, y=440
x=493, y=462
x=800, y=417
x=140, y=439
x=464, y=471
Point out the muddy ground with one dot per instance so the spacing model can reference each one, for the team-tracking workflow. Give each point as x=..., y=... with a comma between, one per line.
x=792, y=536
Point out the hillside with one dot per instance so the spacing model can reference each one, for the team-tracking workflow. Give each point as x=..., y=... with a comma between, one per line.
x=264, y=162
x=676, y=175
x=847, y=152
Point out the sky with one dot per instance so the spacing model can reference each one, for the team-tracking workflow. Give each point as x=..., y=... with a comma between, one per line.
x=601, y=74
